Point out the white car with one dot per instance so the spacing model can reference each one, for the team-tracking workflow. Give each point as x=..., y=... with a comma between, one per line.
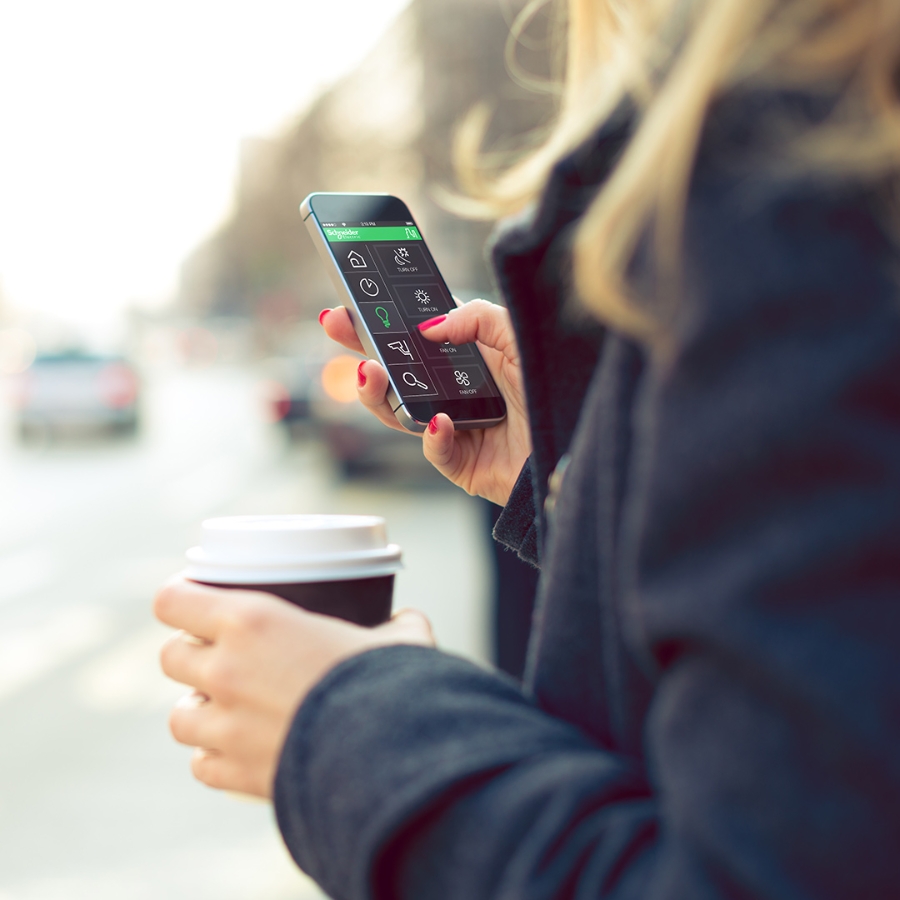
x=76, y=391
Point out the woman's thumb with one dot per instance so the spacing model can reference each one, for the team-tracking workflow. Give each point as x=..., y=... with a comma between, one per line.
x=409, y=626
x=477, y=320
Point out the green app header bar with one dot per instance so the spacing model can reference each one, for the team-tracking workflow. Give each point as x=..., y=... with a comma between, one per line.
x=390, y=233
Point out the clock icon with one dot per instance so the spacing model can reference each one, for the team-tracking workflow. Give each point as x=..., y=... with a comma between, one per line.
x=369, y=287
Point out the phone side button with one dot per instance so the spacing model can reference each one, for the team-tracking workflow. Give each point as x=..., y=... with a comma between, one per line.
x=407, y=421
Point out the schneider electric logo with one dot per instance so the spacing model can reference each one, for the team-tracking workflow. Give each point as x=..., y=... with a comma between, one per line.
x=336, y=234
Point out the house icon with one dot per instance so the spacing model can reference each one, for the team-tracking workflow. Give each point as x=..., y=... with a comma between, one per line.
x=357, y=260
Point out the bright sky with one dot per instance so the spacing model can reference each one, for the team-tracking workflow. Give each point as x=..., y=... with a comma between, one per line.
x=120, y=125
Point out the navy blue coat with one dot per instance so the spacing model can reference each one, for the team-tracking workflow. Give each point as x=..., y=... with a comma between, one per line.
x=712, y=705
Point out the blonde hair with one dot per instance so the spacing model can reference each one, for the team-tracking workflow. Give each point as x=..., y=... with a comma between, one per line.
x=671, y=59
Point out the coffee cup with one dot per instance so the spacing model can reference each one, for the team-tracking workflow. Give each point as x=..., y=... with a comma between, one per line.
x=341, y=566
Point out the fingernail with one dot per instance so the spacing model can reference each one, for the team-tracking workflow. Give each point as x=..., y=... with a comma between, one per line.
x=360, y=377
x=192, y=700
x=322, y=315
x=193, y=639
x=433, y=426
x=430, y=323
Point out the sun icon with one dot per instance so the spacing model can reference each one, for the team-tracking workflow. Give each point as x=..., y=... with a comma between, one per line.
x=422, y=296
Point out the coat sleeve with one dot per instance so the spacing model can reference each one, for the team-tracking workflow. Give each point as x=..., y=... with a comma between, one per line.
x=518, y=526
x=761, y=560
x=401, y=733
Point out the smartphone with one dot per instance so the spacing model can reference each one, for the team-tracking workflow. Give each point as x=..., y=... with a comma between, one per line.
x=388, y=281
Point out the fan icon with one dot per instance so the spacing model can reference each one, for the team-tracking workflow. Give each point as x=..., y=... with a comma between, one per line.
x=422, y=296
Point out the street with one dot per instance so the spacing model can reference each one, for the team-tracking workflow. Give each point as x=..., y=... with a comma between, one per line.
x=96, y=798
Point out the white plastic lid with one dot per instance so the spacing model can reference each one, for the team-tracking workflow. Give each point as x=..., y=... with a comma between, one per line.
x=291, y=549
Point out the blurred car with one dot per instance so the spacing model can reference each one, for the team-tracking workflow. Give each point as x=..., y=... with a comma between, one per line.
x=313, y=395
x=76, y=391
x=356, y=441
x=288, y=391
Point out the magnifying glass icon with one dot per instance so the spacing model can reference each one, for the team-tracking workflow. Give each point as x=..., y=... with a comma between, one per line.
x=412, y=381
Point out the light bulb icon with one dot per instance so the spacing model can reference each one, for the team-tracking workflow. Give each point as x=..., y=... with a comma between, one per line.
x=382, y=314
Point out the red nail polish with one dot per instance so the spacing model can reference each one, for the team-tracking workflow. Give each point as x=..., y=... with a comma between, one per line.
x=323, y=314
x=433, y=426
x=360, y=377
x=430, y=323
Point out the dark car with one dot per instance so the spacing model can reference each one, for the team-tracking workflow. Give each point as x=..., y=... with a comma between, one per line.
x=287, y=393
x=356, y=441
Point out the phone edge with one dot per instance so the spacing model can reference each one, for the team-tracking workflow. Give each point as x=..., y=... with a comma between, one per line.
x=343, y=290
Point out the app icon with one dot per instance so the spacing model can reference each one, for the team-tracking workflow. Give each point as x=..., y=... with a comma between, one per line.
x=401, y=260
x=446, y=351
x=384, y=318
x=353, y=258
x=369, y=287
x=422, y=300
x=396, y=349
x=413, y=380
x=464, y=380
x=401, y=347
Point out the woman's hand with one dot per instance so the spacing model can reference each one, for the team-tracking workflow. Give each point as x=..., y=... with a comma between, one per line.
x=486, y=461
x=251, y=659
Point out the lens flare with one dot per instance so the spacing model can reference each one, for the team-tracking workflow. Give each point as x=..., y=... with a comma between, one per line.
x=339, y=378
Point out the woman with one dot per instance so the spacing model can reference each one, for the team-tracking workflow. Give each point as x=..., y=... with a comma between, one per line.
x=711, y=708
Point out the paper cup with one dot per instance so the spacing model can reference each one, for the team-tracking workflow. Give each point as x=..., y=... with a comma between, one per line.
x=341, y=566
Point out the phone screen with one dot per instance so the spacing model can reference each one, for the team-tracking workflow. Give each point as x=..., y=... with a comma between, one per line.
x=396, y=284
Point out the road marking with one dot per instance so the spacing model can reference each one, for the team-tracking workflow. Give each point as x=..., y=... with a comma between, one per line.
x=253, y=868
x=29, y=653
x=203, y=489
x=128, y=676
x=26, y=573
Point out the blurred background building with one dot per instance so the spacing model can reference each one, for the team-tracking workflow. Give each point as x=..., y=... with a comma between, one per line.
x=387, y=127
x=140, y=394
